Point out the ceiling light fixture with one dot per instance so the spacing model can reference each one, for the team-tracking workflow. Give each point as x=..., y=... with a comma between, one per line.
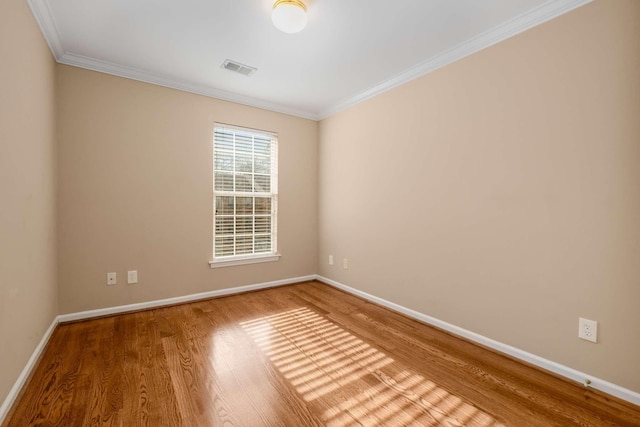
x=289, y=16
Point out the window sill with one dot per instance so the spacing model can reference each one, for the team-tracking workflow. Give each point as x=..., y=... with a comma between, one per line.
x=253, y=259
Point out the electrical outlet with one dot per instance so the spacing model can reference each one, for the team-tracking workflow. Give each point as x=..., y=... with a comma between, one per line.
x=588, y=329
x=111, y=279
x=330, y=259
x=345, y=264
x=132, y=277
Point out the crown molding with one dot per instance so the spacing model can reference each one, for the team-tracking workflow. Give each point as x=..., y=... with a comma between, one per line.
x=530, y=19
x=44, y=18
x=174, y=83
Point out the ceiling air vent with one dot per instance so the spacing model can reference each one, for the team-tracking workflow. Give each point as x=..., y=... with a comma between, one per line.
x=237, y=67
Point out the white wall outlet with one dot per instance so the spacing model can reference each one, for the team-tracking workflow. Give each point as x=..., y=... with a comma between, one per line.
x=345, y=264
x=330, y=259
x=132, y=277
x=111, y=279
x=588, y=329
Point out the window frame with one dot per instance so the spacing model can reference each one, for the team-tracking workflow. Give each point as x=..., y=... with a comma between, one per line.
x=239, y=259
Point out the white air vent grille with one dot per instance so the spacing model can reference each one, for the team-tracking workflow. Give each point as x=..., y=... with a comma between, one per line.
x=237, y=67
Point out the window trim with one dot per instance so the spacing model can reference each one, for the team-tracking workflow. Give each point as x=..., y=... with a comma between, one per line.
x=243, y=259
x=273, y=255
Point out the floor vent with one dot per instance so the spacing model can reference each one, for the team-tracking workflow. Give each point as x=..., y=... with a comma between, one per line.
x=237, y=67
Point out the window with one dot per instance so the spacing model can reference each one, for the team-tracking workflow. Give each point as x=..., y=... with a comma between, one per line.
x=245, y=194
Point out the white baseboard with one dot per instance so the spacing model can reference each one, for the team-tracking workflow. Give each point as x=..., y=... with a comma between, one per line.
x=71, y=317
x=31, y=364
x=26, y=372
x=565, y=371
x=554, y=367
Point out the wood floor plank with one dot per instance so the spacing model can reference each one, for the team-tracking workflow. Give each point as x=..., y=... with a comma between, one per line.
x=136, y=346
x=511, y=381
x=298, y=355
x=163, y=405
x=255, y=364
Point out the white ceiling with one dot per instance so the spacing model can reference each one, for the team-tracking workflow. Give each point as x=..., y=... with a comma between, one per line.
x=351, y=49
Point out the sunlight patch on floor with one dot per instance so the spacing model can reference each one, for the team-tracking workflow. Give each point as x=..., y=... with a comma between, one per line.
x=362, y=385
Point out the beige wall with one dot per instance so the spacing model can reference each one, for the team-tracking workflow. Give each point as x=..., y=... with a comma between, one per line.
x=502, y=192
x=499, y=193
x=28, y=294
x=135, y=191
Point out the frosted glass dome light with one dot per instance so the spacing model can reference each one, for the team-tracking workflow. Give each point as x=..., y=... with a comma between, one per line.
x=289, y=16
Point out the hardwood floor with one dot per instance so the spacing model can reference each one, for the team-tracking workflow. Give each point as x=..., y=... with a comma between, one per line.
x=299, y=355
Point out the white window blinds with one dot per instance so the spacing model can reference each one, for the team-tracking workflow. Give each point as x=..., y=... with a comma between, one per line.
x=245, y=189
